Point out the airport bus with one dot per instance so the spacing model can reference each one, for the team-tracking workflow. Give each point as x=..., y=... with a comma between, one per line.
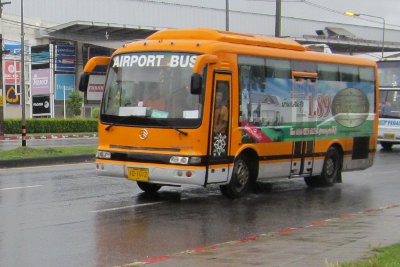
x=389, y=108
x=207, y=107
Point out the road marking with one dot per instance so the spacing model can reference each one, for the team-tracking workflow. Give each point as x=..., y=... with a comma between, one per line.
x=20, y=187
x=127, y=207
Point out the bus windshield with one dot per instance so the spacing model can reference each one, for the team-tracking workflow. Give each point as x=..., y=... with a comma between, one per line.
x=389, y=73
x=389, y=104
x=151, y=89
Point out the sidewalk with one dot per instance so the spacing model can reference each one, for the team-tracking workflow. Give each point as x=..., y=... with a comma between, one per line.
x=324, y=243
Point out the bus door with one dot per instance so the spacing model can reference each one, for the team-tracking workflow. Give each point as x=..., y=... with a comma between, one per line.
x=304, y=103
x=218, y=156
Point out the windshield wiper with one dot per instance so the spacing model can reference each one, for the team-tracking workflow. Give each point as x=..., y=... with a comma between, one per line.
x=171, y=127
x=119, y=121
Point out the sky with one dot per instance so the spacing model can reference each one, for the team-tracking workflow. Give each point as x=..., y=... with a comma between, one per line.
x=325, y=10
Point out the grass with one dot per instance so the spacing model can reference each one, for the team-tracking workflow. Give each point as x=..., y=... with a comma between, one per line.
x=29, y=152
x=383, y=257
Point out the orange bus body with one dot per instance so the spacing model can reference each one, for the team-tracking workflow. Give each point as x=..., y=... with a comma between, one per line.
x=292, y=112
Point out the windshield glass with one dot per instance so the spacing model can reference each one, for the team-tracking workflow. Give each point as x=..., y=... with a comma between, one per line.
x=151, y=89
x=389, y=73
x=389, y=104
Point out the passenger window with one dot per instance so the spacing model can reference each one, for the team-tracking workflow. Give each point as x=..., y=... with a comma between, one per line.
x=304, y=66
x=277, y=68
x=349, y=73
x=328, y=72
x=367, y=74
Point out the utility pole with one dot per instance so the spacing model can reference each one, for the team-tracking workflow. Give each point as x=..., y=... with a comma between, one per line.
x=2, y=92
x=278, y=16
x=23, y=121
x=227, y=15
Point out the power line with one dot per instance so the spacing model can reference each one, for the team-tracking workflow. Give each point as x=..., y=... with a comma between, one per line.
x=342, y=13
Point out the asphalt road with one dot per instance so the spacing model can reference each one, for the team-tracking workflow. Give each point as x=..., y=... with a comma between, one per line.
x=67, y=216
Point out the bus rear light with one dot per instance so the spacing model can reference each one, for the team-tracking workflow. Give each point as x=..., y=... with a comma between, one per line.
x=189, y=174
x=103, y=154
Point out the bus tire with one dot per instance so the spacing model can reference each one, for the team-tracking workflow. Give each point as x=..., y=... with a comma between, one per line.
x=386, y=145
x=312, y=181
x=331, y=170
x=240, y=180
x=148, y=187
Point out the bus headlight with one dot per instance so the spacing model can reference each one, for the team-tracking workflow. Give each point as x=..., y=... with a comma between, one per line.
x=103, y=154
x=185, y=160
x=179, y=160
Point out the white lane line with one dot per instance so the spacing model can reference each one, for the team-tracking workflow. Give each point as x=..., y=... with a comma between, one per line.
x=127, y=207
x=20, y=187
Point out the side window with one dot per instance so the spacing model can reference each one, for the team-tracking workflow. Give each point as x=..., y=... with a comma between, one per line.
x=304, y=66
x=263, y=82
x=349, y=73
x=328, y=72
x=277, y=68
x=367, y=74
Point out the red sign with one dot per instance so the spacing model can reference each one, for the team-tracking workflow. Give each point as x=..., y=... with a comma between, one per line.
x=11, y=71
x=255, y=132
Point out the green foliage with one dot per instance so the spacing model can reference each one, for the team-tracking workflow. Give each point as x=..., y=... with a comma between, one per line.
x=29, y=152
x=385, y=257
x=74, y=104
x=95, y=113
x=13, y=126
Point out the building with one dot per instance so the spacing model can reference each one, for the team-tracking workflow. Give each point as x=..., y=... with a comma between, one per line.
x=69, y=32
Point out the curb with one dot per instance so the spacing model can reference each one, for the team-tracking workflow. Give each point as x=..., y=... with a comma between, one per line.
x=46, y=136
x=6, y=164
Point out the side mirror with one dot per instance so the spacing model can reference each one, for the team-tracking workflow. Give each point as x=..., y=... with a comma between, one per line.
x=84, y=82
x=196, y=84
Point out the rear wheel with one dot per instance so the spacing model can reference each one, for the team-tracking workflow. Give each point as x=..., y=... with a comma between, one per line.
x=331, y=171
x=386, y=145
x=240, y=180
x=148, y=187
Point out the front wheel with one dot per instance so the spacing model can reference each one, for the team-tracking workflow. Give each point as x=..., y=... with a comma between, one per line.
x=240, y=180
x=148, y=187
x=386, y=145
x=331, y=170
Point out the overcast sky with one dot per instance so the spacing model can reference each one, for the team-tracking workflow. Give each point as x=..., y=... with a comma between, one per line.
x=325, y=10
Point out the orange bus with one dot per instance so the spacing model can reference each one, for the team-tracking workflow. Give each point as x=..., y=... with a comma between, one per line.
x=202, y=107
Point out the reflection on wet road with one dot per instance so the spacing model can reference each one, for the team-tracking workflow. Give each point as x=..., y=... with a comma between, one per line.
x=67, y=216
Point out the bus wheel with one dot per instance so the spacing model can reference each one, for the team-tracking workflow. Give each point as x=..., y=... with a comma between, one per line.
x=312, y=181
x=149, y=187
x=240, y=180
x=386, y=145
x=331, y=171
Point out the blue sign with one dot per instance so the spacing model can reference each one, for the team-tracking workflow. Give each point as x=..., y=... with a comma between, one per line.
x=64, y=82
x=65, y=58
x=12, y=49
x=40, y=56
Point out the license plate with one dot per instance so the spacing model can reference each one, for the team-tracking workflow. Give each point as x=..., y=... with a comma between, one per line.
x=389, y=136
x=138, y=174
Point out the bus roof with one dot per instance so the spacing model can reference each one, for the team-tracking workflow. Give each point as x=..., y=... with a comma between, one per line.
x=229, y=37
x=222, y=41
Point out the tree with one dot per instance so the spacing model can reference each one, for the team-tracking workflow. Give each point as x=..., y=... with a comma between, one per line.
x=74, y=104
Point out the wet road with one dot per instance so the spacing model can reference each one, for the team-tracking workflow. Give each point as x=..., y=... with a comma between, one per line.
x=87, y=141
x=66, y=216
